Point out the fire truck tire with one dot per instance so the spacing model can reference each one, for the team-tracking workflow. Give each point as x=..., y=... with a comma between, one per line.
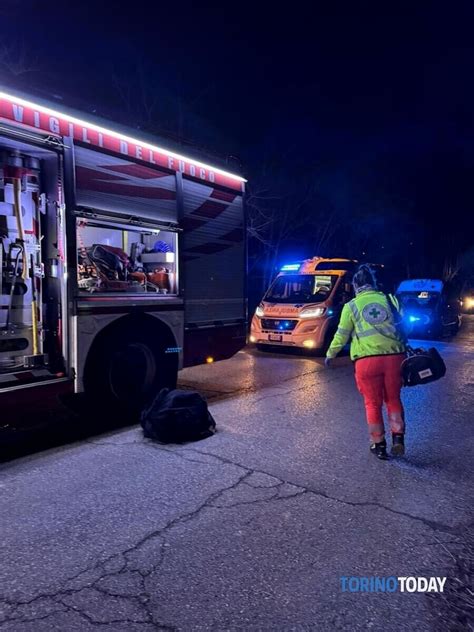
x=128, y=365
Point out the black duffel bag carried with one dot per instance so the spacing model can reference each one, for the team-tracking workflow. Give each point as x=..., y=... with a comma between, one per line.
x=422, y=366
x=177, y=416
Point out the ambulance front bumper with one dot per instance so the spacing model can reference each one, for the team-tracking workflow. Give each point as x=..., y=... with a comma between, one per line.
x=306, y=334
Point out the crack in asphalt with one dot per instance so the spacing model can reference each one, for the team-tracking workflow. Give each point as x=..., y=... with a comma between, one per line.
x=125, y=558
x=435, y=526
x=91, y=620
x=143, y=598
x=60, y=594
x=36, y=618
x=274, y=496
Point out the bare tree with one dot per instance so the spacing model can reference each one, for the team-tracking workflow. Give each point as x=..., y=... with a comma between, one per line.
x=165, y=106
x=16, y=59
x=274, y=217
x=290, y=219
x=451, y=268
x=136, y=89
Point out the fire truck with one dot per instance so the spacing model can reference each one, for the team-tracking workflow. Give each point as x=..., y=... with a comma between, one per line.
x=121, y=261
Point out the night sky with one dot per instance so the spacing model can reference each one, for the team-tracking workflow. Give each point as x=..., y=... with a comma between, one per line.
x=378, y=96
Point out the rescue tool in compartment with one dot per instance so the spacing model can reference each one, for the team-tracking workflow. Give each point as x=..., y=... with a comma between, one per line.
x=12, y=267
x=19, y=245
x=34, y=307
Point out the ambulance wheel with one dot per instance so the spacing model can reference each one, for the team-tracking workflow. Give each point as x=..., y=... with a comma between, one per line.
x=128, y=365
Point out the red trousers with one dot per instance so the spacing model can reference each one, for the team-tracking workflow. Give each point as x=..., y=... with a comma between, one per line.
x=378, y=378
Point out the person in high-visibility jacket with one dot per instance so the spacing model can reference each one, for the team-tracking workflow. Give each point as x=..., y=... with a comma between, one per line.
x=370, y=321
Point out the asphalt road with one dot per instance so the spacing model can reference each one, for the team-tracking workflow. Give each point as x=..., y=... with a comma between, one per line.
x=253, y=528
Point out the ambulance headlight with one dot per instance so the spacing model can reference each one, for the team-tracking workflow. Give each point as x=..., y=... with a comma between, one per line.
x=259, y=311
x=312, y=312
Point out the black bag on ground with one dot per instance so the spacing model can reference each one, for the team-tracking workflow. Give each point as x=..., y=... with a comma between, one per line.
x=177, y=416
x=422, y=366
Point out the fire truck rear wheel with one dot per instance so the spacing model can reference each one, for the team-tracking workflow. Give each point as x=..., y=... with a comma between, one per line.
x=128, y=365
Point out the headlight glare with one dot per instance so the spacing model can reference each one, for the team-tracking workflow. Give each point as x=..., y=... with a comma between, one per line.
x=312, y=312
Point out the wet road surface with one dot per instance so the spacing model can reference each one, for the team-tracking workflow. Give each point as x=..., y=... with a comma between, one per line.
x=253, y=528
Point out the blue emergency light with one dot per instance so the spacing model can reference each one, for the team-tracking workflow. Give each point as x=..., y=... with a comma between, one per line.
x=291, y=267
x=424, y=319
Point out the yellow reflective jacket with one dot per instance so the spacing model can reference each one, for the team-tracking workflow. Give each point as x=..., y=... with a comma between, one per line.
x=368, y=321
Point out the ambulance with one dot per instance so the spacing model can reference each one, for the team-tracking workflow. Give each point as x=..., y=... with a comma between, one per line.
x=302, y=306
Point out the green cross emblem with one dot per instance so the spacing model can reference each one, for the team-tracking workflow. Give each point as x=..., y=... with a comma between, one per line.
x=375, y=313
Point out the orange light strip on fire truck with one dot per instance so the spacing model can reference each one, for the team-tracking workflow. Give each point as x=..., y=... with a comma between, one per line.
x=27, y=113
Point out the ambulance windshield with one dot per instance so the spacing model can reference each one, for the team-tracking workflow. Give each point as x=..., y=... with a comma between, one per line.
x=301, y=288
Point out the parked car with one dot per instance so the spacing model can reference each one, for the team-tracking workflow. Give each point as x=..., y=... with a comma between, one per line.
x=429, y=308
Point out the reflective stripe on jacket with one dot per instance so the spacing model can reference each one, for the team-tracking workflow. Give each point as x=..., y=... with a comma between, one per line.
x=368, y=321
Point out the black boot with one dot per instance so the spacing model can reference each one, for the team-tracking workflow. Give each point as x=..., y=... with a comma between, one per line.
x=398, y=444
x=379, y=449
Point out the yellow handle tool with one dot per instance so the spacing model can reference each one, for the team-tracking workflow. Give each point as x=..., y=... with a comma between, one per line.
x=19, y=223
x=34, y=311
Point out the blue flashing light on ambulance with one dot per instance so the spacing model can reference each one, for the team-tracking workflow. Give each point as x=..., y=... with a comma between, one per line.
x=291, y=267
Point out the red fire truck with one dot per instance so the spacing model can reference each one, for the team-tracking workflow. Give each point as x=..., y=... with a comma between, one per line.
x=121, y=261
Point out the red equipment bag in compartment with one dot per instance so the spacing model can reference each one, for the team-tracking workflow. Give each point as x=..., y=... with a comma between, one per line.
x=112, y=262
x=161, y=278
